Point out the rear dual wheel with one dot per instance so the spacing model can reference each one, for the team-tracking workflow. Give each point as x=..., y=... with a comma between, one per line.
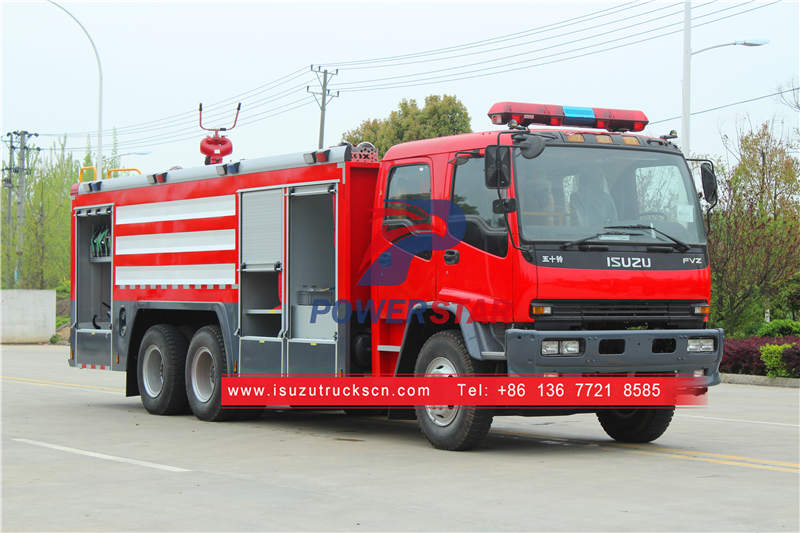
x=174, y=378
x=160, y=370
x=206, y=362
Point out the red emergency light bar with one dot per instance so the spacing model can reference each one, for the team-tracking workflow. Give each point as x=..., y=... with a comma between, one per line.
x=556, y=115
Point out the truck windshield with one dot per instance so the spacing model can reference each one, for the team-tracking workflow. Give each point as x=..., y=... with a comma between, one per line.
x=569, y=193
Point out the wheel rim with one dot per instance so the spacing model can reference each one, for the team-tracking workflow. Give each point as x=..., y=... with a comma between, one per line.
x=153, y=371
x=202, y=375
x=441, y=415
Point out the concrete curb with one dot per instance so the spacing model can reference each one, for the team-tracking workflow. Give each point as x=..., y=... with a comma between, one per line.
x=747, y=379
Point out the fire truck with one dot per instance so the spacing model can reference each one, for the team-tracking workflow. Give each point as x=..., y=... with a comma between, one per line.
x=569, y=244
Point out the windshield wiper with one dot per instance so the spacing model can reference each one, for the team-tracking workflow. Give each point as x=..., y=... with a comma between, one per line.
x=680, y=245
x=596, y=235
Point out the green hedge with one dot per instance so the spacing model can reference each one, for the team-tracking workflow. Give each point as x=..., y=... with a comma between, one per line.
x=772, y=355
x=779, y=328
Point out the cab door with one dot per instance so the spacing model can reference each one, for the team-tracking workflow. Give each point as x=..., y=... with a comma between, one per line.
x=475, y=273
x=403, y=270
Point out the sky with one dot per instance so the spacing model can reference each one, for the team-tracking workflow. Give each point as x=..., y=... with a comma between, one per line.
x=160, y=59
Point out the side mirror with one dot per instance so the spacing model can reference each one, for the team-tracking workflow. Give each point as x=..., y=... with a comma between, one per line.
x=497, y=167
x=502, y=206
x=531, y=147
x=709, y=180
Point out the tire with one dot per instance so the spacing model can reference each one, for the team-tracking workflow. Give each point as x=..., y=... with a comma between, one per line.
x=446, y=427
x=205, y=364
x=160, y=371
x=635, y=425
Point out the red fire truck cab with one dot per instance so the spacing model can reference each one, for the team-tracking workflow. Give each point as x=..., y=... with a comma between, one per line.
x=534, y=250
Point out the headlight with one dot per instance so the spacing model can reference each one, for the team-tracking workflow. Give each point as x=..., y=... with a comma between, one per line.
x=702, y=309
x=549, y=347
x=570, y=347
x=701, y=345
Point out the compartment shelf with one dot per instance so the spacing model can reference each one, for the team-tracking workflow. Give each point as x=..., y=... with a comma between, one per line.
x=103, y=259
x=259, y=297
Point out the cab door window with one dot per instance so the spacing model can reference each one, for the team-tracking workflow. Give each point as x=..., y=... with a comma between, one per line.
x=484, y=229
x=407, y=203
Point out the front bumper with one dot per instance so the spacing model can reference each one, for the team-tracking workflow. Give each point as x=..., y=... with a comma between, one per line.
x=637, y=355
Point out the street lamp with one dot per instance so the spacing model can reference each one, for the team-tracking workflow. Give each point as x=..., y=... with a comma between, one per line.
x=687, y=70
x=99, y=163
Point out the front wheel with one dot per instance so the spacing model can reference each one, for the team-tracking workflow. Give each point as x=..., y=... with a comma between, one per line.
x=635, y=425
x=451, y=427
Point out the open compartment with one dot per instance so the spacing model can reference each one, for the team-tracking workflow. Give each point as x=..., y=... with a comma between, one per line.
x=94, y=252
x=260, y=303
x=93, y=279
x=312, y=260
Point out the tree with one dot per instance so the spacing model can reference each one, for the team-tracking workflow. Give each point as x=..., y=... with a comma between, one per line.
x=44, y=262
x=756, y=226
x=441, y=115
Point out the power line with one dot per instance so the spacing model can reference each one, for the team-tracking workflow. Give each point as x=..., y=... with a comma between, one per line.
x=478, y=73
x=726, y=105
x=154, y=125
x=511, y=56
x=660, y=121
x=263, y=88
x=181, y=130
x=192, y=122
x=572, y=32
x=491, y=40
x=516, y=64
x=160, y=141
x=160, y=123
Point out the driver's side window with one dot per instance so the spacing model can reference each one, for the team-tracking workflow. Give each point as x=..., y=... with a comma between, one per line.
x=407, y=203
x=483, y=228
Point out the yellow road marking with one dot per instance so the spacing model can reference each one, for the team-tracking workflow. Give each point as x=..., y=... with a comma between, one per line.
x=709, y=454
x=691, y=455
x=60, y=383
x=719, y=461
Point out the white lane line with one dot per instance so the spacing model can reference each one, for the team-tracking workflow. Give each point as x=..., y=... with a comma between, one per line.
x=103, y=456
x=742, y=420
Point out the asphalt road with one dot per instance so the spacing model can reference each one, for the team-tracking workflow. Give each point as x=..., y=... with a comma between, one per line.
x=78, y=455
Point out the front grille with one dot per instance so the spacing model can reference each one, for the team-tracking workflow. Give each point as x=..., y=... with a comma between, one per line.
x=619, y=314
x=626, y=309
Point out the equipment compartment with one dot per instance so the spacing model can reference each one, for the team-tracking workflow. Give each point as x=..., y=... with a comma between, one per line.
x=94, y=252
x=93, y=278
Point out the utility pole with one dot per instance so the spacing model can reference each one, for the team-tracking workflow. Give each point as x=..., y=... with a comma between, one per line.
x=22, y=137
x=686, y=85
x=8, y=181
x=324, y=95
